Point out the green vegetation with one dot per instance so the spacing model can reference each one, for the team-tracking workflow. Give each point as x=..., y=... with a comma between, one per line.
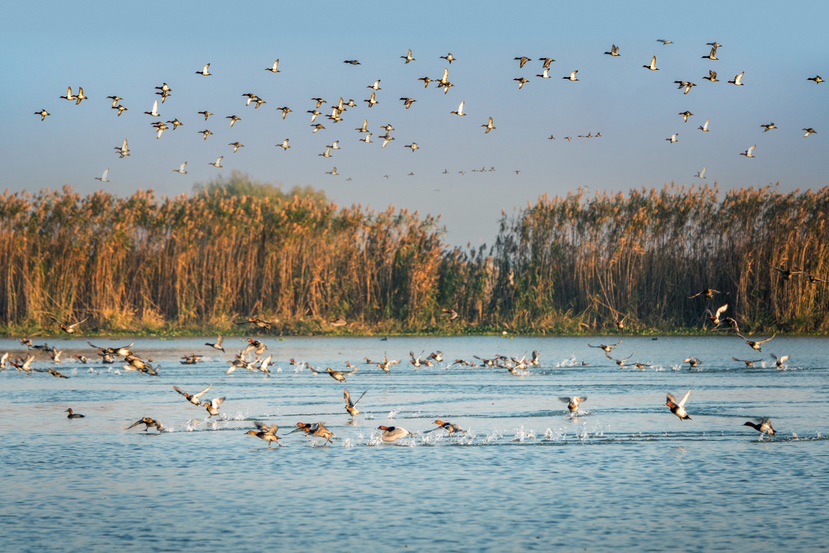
x=238, y=249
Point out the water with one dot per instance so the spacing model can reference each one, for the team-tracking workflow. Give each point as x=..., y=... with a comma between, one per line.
x=624, y=474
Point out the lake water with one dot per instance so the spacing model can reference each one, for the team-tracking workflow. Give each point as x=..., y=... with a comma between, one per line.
x=625, y=474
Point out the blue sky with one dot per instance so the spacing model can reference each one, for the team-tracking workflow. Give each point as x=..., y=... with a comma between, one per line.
x=129, y=49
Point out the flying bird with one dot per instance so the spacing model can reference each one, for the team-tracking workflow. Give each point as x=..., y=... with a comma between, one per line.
x=489, y=126
x=738, y=79
x=274, y=68
x=678, y=408
x=218, y=163
x=408, y=57
x=182, y=170
x=459, y=111
x=43, y=114
x=614, y=51
x=749, y=152
x=652, y=66
x=205, y=72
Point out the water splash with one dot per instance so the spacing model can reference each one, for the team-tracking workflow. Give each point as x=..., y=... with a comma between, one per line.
x=392, y=414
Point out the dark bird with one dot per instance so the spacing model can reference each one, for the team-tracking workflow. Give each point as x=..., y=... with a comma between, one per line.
x=148, y=423
x=265, y=432
x=763, y=426
x=73, y=415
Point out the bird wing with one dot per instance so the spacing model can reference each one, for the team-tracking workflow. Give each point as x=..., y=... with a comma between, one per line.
x=722, y=309
x=203, y=392
x=767, y=340
x=685, y=398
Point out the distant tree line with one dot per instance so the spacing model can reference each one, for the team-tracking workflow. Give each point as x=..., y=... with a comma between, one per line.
x=237, y=249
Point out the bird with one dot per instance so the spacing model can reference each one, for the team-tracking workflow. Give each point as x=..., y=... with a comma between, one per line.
x=123, y=149
x=543, y=75
x=408, y=57
x=701, y=174
x=707, y=293
x=206, y=114
x=448, y=57
x=780, y=362
x=712, y=76
x=265, y=432
x=351, y=406
x=414, y=147
x=195, y=399
x=614, y=51
x=274, y=68
x=333, y=172
x=704, y=127
x=748, y=362
x=233, y=119
x=69, y=96
x=148, y=423
x=450, y=427
x=205, y=72
x=236, y=145
x=546, y=62
x=69, y=328
x=768, y=127
x=392, y=434
x=750, y=152
x=182, y=170
x=756, y=344
x=522, y=61
x=738, y=79
x=104, y=177
x=673, y=139
x=809, y=131
x=692, y=361
x=213, y=405
x=73, y=415
x=205, y=133
x=652, y=66
x=459, y=111
x=43, y=114
x=715, y=317
x=685, y=85
x=81, y=96
x=678, y=408
x=817, y=79
x=573, y=402
x=685, y=115
x=154, y=112
x=572, y=77
x=317, y=429
x=218, y=344
x=285, y=111
x=339, y=376
x=521, y=82
x=712, y=55
x=352, y=62
x=763, y=426
x=607, y=348
x=664, y=42
x=407, y=102
x=489, y=126
x=57, y=374
x=218, y=163
x=372, y=101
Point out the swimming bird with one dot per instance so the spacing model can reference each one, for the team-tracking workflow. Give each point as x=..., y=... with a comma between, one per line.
x=195, y=399
x=69, y=328
x=265, y=432
x=678, y=408
x=763, y=426
x=317, y=429
x=408, y=57
x=572, y=77
x=351, y=406
x=704, y=127
x=614, y=51
x=205, y=72
x=573, y=402
x=738, y=79
x=218, y=163
x=274, y=68
x=148, y=423
x=43, y=114
x=459, y=111
x=104, y=177
x=652, y=66
x=756, y=344
x=182, y=170
x=780, y=362
x=213, y=405
x=73, y=415
x=809, y=132
x=750, y=152
x=392, y=434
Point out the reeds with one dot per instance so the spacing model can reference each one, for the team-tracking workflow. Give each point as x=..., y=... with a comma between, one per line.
x=564, y=264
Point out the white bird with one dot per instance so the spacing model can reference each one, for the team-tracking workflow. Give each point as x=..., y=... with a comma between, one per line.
x=333, y=172
x=413, y=146
x=205, y=72
x=408, y=57
x=704, y=127
x=573, y=402
x=701, y=174
x=673, y=139
x=652, y=65
x=749, y=152
x=284, y=144
x=274, y=68
x=809, y=131
x=738, y=79
x=154, y=112
x=572, y=77
x=104, y=177
x=460, y=112
x=218, y=163
x=366, y=139
x=373, y=100
x=678, y=408
x=490, y=126
x=182, y=170
x=123, y=149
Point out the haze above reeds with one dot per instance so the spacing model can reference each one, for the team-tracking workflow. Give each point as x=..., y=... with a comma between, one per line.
x=574, y=264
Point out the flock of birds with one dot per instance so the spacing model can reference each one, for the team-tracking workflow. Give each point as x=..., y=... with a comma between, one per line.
x=336, y=110
x=253, y=357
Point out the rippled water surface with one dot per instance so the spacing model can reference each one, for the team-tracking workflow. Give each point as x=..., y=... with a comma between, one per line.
x=625, y=473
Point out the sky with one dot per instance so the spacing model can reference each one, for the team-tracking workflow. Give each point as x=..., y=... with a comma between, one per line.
x=127, y=49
